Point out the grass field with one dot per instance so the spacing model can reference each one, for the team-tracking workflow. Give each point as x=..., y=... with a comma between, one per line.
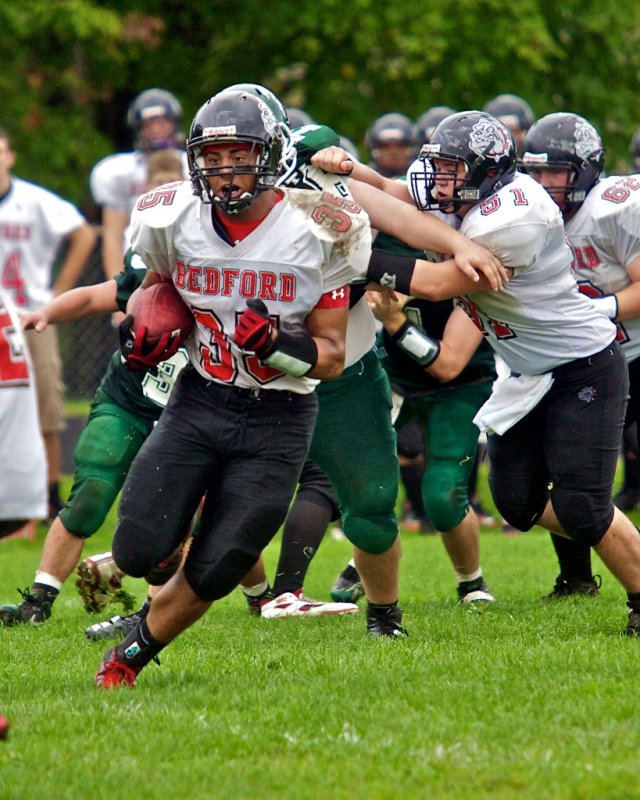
x=524, y=700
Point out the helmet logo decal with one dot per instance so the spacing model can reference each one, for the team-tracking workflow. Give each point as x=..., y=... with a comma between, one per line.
x=224, y=130
x=587, y=140
x=489, y=139
x=268, y=118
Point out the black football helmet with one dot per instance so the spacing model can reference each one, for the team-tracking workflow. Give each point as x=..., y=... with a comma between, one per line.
x=566, y=141
x=427, y=122
x=512, y=110
x=228, y=117
x=482, y=143
x=148, y=105
x=392, y=128
x=298, y=118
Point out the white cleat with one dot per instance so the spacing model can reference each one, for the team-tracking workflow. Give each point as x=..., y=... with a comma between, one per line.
x=295, y=604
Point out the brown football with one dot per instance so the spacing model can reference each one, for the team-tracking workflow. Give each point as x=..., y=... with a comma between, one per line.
x=161, y=309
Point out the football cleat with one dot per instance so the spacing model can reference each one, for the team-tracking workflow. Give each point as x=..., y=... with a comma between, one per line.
x=256, y=604
x=294, y=604
x=116, y=627
x=633, y=624
x=348, y=587
x=475, y=591
x=99, y=583
x=113, y=672
x=34, y=609
x=385, y=621
x=565, y=587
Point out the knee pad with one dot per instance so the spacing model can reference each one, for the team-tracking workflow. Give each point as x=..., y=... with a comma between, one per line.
x=582, y=516
x=522, y=507
x=213, y=581
x=87, y=507
x=446, y=501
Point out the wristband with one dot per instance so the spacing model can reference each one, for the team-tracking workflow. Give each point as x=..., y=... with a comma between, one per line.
x=293, y=353
x=416, y=344
x=391, y=271
x=607, y=305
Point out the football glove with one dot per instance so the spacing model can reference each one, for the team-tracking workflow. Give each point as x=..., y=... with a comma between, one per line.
x=140, y=354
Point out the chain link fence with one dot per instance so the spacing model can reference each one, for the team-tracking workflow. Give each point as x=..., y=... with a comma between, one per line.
x=87, y=344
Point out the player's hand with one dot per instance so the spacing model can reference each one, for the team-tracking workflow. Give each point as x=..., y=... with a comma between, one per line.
x=473, y=259
x=141, y=354
x=254, y=329
x=33, y=320
x=333, y=159
x=388, y=307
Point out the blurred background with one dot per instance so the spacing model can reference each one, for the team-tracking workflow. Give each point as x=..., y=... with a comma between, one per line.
x=71, y=68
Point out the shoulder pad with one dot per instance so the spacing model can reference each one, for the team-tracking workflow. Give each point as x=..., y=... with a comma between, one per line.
x=331, y=216
x=310, y=138
x=163, y=205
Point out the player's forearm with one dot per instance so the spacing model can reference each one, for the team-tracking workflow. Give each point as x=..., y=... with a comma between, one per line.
x=84, y=301
x=330, y=362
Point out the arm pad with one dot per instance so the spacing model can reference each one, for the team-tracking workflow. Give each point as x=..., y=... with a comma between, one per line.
x=416, y=344
x=391, y=271
x=296, y=354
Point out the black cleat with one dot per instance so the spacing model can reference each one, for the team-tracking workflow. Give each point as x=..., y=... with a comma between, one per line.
x=385, y=621
x=565, y=587
x=633, y=624
x=347, y=587
x=35, y=608
x=475, y=591
x=116, y=627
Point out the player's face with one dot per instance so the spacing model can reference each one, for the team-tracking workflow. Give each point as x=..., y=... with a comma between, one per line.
x=555, y=180
x=7, y=159
x=156, y=130
x=449, y=174
x=393, y=157
x=230, y=160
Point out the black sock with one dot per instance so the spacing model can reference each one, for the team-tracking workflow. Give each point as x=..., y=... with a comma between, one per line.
x=633, y=601
x=139, y=647
x=382, y=608
x=574, y=559
x=304, y=528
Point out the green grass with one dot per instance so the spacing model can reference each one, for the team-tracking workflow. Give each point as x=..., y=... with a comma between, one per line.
x=525, y=700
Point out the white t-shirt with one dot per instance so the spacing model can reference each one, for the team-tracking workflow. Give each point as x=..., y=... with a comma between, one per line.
x=33, y=224
x=310, y=243
x=23, y=466
x=539, y=320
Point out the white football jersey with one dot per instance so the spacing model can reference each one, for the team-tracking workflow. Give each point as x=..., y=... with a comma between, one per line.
x=539, y=320
x=33, y=224
x=605, y=235
x=311, y=243
x=23, y=465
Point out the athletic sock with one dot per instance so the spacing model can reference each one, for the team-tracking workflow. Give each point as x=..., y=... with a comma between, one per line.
x=574, y=559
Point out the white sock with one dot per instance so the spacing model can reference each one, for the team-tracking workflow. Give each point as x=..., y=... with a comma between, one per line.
x=462, y=578
x=48, y=580
x=257, y=590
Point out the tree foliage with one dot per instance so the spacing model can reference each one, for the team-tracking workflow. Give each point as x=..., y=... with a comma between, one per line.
x=74, y=65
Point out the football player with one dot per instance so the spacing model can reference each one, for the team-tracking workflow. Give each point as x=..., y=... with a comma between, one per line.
x=266, y=273
x=556, y=421
x=564, y=153
x=391, y=144
x=514, y=112
x=23, y=468
x=116, y=181
x=429, y=120
x=34, y=225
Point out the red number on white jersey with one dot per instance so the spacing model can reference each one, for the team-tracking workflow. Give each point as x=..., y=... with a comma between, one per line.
x=12, y=280
x=14, y=370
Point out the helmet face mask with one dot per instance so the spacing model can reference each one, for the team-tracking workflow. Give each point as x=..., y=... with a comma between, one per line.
x=478, y=141
x=235, y=118
x=565, y=141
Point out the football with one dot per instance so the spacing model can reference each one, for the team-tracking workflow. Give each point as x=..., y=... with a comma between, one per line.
x=160, y=309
